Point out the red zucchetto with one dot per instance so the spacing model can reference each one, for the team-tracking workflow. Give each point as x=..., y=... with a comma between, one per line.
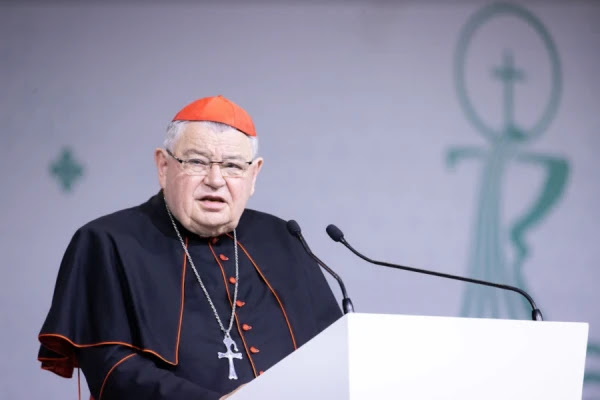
x=218, y=109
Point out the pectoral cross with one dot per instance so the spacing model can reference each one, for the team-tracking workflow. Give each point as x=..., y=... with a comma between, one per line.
x=230, y=355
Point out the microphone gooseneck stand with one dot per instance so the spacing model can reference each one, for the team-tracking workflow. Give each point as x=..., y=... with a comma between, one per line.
x=336, y=235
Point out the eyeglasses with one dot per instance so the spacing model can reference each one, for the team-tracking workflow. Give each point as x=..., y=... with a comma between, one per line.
x=200, y=166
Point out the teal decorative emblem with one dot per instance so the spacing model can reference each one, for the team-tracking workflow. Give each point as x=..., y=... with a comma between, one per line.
x=499, y=249
x=66, y=169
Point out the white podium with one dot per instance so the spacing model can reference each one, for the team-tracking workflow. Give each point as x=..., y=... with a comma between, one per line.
x=373, y=356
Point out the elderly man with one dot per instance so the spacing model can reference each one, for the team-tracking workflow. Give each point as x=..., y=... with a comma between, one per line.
x=190, y=294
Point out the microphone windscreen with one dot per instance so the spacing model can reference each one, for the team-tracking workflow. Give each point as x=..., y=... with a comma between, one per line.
x=293, y=227
x=334, y=233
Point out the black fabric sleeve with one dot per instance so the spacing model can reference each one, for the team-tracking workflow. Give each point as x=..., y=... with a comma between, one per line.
x=116, y=372
x=325, y=305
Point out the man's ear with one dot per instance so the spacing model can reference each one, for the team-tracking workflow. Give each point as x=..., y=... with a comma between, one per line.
x=257, y=166
x=161, y=160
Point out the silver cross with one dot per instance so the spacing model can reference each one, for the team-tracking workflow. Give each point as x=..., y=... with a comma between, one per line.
x=230, y=355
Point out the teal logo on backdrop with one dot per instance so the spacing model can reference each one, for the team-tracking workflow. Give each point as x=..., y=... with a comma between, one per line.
x=490, y=258
x=507, y=143
x=66, y=170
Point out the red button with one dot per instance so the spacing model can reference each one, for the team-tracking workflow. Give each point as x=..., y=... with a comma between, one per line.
x=232, y=280
x=254, y=350
x=261, y=372
x=214, y=240
x=240, y=303
x=246, y=327
x=223, y=257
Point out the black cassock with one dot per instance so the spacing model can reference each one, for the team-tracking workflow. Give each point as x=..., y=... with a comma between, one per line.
x=128, y=309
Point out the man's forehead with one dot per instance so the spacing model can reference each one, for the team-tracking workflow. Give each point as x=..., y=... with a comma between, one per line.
x=202, y=137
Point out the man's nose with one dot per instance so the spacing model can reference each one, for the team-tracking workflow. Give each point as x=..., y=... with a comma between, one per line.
x=214, y=177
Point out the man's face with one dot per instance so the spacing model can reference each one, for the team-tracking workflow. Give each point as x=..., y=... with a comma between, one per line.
x=207, y=205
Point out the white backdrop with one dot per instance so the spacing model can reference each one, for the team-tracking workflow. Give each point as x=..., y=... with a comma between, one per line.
x=356, y=110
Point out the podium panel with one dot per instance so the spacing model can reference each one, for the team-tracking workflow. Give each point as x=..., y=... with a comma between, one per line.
x=370, y=356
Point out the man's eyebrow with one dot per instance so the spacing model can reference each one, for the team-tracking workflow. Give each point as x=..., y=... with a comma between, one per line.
x=204, y=153
x=196, y=152
x=234, y=157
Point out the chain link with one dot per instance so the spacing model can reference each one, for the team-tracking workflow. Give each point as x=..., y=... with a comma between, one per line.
x=235, y=291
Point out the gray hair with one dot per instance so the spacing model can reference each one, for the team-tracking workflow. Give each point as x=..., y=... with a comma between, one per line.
x=176, y=127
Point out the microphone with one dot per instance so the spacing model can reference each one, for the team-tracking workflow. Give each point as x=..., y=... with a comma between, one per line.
x=295, y=230
x=337, y=236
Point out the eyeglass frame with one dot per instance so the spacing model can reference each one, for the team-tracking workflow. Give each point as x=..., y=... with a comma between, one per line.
x=210, y=164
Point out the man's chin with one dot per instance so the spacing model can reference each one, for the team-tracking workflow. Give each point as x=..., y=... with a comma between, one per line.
x=213, y=227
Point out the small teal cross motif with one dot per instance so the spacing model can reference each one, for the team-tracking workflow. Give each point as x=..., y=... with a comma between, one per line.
x=66, y=169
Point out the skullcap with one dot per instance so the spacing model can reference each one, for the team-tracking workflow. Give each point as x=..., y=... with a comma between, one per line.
x=218, y=109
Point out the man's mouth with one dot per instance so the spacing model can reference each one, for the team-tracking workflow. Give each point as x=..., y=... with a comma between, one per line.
x=217, y=199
